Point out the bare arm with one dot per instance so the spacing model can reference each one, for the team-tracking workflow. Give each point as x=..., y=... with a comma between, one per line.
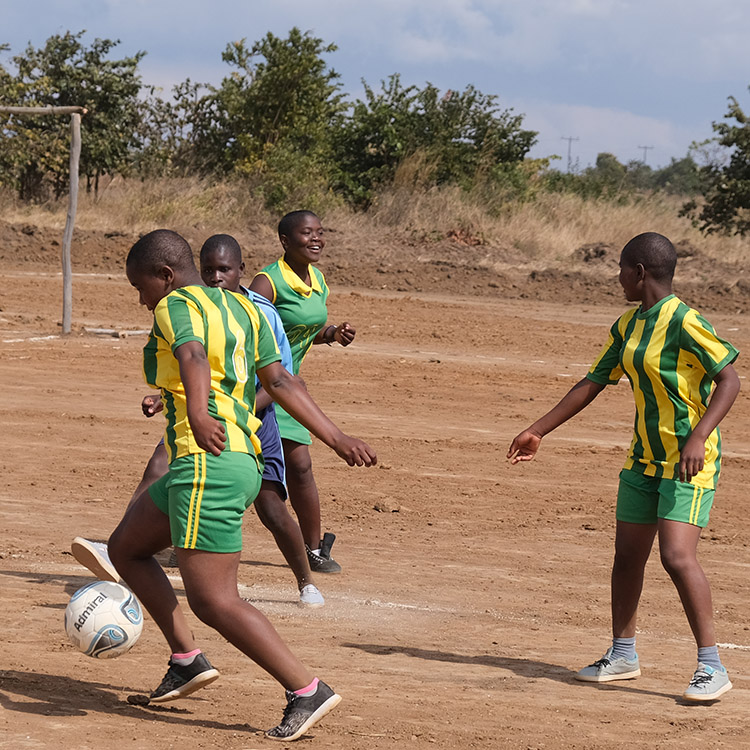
x=525, y=445
x=693, y=453
x=286, y=390
x=262, y=286
x=195, y=374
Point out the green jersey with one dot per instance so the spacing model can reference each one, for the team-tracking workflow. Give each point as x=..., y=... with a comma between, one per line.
x=237, y=340
x=670, y=355
x=302, y=308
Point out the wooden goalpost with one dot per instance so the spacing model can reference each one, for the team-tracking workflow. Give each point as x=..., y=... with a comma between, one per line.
x=75, y=155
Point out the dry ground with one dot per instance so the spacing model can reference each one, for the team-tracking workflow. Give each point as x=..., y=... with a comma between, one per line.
x=471, y=591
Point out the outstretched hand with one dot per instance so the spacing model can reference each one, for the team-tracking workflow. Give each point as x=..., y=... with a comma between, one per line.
x=524, y=446
x=355, y=451
x=344, y=334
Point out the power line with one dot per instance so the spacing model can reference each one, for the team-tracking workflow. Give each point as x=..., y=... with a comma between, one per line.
x=570, y=140
x=645, y=149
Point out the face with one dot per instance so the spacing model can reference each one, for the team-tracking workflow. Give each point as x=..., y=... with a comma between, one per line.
x=151, y=288
x=305, y=242
x=629, y=278
x=219, y=268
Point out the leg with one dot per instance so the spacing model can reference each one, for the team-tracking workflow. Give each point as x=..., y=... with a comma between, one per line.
x=210, y=580
x=156, y=467
x=144, y=531
x=275, y=516
x=678, y=543
x=303, y=492
x=633, y=542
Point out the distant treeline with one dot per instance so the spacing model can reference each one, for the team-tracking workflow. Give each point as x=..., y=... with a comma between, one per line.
x=280, y=122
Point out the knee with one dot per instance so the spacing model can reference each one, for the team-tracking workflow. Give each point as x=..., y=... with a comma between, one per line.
x=676, y=561
x=207, y=608
x=299, y=463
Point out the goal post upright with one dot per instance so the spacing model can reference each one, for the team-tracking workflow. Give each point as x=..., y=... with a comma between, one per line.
x=75, y=156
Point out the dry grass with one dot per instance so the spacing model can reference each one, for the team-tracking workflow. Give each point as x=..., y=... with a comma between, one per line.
x=544, y=232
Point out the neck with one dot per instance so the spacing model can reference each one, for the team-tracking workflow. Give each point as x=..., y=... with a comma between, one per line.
x=188, y=278
x=655, y=294
x=301, y=269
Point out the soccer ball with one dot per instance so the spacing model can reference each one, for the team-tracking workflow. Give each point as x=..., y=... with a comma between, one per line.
x=103, y=619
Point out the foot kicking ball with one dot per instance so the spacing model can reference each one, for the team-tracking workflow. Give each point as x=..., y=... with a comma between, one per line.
x=103, y=619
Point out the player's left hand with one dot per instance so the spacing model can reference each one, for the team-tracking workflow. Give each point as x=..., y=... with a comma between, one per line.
x=692, y=458
x=355, y=451
x=344, y=334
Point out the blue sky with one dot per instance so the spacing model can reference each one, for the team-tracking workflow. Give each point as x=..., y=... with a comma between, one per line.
x=617, y=75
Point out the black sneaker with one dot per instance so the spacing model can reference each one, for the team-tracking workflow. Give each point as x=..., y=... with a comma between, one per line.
x=180, y=681
x=322, y=562
x=302, y=713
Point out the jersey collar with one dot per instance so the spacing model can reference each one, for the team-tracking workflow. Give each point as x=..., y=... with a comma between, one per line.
x=296, y=283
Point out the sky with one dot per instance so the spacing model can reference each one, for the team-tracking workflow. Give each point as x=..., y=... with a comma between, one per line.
x=641, y=79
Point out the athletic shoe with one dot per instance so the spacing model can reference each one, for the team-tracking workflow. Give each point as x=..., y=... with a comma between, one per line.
x=707, y=684
x=321, y=561
x=95, y=557
x=608, y=669
x=180, y=681
x=309, y=596
x=301, y=712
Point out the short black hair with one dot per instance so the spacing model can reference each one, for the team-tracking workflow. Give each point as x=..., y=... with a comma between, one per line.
x=290, y=221
x=222, y=242
x=159, y=248
x=654, y=252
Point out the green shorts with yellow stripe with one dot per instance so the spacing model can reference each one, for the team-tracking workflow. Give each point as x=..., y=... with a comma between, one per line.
x=642, y=499
x=205, y=497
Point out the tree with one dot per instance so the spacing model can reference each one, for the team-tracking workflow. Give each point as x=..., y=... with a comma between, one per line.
x=66, y=73
x=461, y=136
x=726, y=186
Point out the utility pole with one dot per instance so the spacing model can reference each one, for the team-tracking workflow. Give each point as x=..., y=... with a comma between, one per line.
x=570, y=140
x=645, y=149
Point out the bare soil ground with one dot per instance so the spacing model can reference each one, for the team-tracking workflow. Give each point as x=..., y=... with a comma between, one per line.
x=472, y=590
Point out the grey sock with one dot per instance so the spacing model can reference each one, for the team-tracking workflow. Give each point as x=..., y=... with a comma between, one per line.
x=623, y=648
x=709, y=655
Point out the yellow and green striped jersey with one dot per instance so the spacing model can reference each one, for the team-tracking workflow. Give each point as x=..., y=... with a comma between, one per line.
x=670, y=354
x=302, y=308
x=237, y=340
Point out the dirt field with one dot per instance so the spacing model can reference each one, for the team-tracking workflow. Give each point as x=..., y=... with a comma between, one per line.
x=472, y=590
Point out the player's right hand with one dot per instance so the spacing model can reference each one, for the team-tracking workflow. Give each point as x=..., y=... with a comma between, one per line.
x=152, y=404
x=209, y=434
x=524, y=446
x=355, y=451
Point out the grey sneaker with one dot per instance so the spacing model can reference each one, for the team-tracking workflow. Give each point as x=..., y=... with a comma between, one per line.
x=302, y=713
x=309, y=596
x=707, y=684
x=95, y=557
x=608, y=669
x=321, y=561
x=180, y=681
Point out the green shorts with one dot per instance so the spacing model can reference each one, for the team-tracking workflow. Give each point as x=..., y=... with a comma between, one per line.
x=205, y=497
x=642, y=499
x=291, y=429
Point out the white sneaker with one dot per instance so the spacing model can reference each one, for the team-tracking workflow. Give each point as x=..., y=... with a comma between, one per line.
x=95, y=557
x=309, y=596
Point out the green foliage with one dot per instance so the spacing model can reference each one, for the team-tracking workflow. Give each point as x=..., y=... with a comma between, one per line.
x=726, y=186
x=462, y=137
x=66, y=73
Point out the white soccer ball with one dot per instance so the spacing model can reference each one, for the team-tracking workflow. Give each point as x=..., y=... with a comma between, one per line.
x=103, y=619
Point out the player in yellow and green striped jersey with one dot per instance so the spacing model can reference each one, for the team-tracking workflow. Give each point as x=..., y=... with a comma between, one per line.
x=672, y=357
x=206, y=346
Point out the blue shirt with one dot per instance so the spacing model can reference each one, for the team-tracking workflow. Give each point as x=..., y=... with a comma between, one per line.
x=267, y=308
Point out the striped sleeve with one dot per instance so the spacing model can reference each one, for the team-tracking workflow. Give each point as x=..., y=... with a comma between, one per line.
x=267, y=350
x=700, y=339
x=180, y=320
x=607, y=369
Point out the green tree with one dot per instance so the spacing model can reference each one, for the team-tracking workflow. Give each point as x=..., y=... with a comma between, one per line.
x=726, y=185
x=462, y=137
x=64, y=72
